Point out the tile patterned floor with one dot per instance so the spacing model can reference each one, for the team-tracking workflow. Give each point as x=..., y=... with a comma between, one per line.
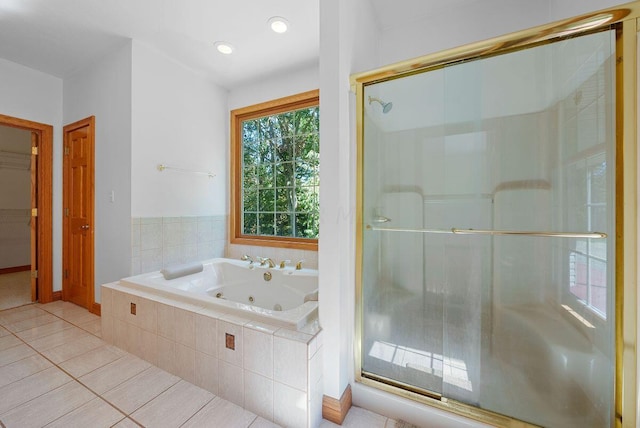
x=55, y=371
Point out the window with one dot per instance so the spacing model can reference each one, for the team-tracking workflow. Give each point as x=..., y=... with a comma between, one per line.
x=588, y=257
x=275, y=149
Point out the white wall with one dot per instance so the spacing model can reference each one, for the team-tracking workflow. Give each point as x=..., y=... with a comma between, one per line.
x=458, y=25
x=103, y=90
x=560, y=9
x=282, y=85
x=348, y=43
x=29, y=94
x=179, y=118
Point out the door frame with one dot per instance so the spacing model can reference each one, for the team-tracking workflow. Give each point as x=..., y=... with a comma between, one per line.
x=91, y=123
x=44, y=201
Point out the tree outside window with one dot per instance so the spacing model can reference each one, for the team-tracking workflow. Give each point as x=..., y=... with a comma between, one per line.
x=276, y=166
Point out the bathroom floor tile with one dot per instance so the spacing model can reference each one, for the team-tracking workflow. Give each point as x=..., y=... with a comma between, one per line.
x=92, y=360
x=56, y=339
x=48, y=407
x=94, y=327
x=173, y=407
x=30, y=323
x=7, y=342
x=11, y=316
x=113, y=374
x=15, y=353
x=19, y=392
x=94, y=413
x=73, y=348
x=44, y=330
x=221, y=413
x=22, y=368
x=263, y=423
x=126, y=423
x=139, y=390
x=4, y=332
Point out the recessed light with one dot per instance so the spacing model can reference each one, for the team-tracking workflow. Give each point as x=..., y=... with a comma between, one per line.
x=224, y=47
x=278, y=24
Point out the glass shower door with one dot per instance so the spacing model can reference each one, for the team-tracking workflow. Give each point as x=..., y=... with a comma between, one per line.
x=488, y=241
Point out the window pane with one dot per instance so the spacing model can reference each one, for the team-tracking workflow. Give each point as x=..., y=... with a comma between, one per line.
x=284, y=174
x=265, y=175
x=307, y=121
x=306, y=225
x=265, y=149
x=250, y=199
x=284, y=225
x=266, y=224
x=266, y=200
x=304, y=174
x=285, y=199
x=250, y=224
x=284, y=150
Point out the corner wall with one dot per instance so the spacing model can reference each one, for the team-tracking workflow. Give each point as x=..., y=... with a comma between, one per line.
x=104, y=90
x=348, y=43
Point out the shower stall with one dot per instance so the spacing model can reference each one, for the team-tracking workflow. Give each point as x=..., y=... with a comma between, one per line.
x=489, y=215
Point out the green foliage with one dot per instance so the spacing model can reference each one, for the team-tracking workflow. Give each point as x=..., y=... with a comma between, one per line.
x=280, y=175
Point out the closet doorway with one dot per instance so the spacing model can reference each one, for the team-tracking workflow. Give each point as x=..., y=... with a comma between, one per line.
x=25, y=212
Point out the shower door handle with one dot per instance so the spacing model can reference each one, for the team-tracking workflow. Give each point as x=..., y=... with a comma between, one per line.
x=381, y=219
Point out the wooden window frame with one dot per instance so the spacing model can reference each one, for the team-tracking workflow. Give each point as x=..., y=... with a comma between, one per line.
x=280, y=105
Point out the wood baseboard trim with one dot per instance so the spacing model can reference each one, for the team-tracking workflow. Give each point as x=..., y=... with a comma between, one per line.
x=56, y=295
x=96, y=309
x=336, y=410
x=14, y=269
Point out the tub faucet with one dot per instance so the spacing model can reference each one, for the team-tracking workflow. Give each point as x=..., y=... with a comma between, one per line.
x=299, y=264
x=267, y=261
x=247, y=257
x=283, y=263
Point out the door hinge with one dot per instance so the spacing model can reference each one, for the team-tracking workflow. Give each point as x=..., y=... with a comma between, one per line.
x=34, y=212
x=34, y=150
x=34, y=274
x=66, y=212
x=66, y=150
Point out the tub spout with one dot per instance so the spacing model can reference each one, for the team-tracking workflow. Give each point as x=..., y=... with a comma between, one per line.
x=267, y=261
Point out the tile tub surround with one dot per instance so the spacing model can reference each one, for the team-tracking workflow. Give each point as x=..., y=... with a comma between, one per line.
x=158, y=242
x=273, y=372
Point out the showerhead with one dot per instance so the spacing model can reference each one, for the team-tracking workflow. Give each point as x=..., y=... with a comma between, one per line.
x=386, y=107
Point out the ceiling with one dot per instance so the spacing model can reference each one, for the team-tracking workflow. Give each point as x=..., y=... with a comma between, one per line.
x=59, y=37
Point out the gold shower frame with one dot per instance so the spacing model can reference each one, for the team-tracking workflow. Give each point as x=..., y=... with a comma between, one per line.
x=626, y=19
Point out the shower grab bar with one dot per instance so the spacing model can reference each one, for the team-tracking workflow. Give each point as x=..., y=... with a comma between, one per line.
x=456, y=231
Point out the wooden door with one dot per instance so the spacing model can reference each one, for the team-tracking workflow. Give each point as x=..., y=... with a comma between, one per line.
x=34, y=220
x=78, y=205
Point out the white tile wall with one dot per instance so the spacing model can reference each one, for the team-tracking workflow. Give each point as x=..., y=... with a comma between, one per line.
x=273, y=372
x=158, y=242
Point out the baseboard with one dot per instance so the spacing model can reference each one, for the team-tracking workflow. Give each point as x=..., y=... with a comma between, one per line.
x=57, y=295
x=336, y=410
x=96, y=309
x=15, y=269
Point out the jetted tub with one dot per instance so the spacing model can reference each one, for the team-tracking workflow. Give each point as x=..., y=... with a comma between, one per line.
x=282, y=297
